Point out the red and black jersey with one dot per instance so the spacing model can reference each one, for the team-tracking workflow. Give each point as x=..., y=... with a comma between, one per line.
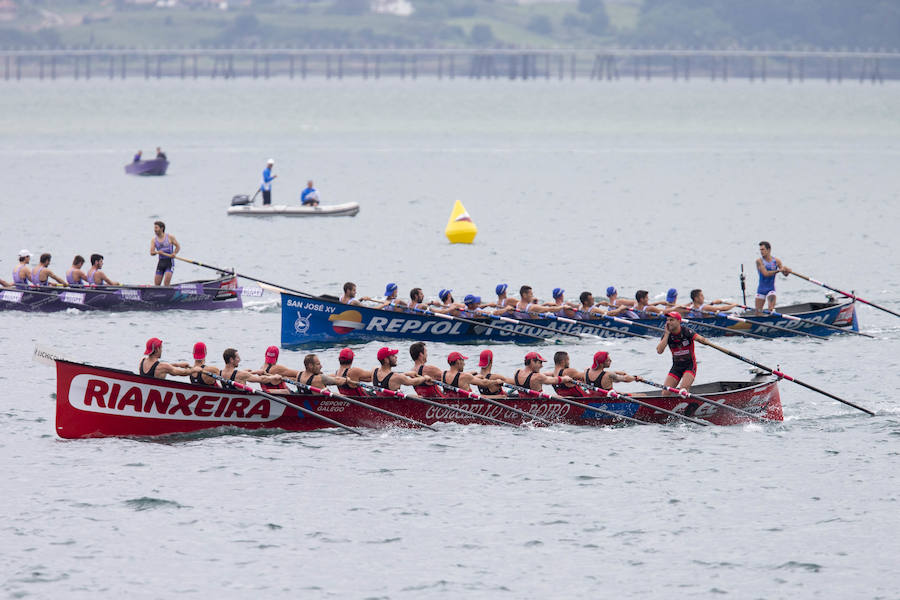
x=682, y=346
x=568, y=389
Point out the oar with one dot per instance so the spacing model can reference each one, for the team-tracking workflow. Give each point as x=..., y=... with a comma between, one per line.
x=778, y=373
x=281, y=401
x=557, y=398
x=732, y=317
x=492, y=402
x=687, y=394
x=326, y=392
x=632, y=322
x=235, y=273
x=810, y=321
x=628, y=397
x=583, y=322
x=506, y=319
x=399, y=394
x=857, y=298
x=726, y=329
x=479, y=323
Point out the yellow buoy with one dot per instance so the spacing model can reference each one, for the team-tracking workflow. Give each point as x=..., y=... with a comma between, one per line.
x=460, y=228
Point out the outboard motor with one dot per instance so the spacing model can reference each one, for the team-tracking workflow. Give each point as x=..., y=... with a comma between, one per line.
x=240, y=200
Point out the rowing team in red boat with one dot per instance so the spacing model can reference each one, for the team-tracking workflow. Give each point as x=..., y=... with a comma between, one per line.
x=423, y=377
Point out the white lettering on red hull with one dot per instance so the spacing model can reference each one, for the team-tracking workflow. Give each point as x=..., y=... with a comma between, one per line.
x=110, y=396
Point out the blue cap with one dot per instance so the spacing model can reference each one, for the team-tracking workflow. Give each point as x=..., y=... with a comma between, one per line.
x=610, y=291
x=557, y=292
x=472, y=299
x=443, y=294
x=390, y=289
x=501, y=288
x=671, y=295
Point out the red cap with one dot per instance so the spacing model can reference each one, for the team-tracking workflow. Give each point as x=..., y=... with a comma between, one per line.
x=346, y=355
x=271, y=355
x=199, y=351
x=534, y=355
x=385, y=352
x=455, y=356
x=485, y=357
x=600, y=358
x=674, y=315
x=152, y=344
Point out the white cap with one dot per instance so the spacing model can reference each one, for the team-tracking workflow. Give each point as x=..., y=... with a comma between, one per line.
x=24, y=252
x=271, y=161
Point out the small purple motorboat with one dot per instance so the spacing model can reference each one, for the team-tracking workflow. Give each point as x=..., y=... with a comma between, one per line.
x=156, y=166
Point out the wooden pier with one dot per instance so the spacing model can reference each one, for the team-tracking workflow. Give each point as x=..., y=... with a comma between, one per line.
x=599, y=64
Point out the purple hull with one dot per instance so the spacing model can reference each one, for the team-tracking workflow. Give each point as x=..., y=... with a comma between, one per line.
x=194, y=295
x=157, y=166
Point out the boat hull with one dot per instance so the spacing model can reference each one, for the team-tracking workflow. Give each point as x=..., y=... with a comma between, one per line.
x=197, y=295
x=348, y=209
x=317, y=321
x=101, y=402
x=156, y=166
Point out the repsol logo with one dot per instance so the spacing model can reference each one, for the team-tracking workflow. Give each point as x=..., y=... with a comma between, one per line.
x=112, y=396
x=414, y=326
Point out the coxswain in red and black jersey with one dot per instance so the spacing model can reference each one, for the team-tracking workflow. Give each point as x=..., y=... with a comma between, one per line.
x=419, y=353
x=495, y=381
x=531, y=377
x=680, y=340
x=352, y=374
x=385, y=377
x=152, y=366
x=233, y=359
x=562, y=368
x=312, y=374
x=458, y=378
x=271, y=367
x=599, y=375
x=200, y=361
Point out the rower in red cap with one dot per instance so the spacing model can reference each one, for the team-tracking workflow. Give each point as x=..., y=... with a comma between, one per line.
x=494, y=387
x=680, y=341
x=271, y=367
x=200, y=361
x=352, y=374
x=599, y=376
x=151, y=366
x=385, y=377
x=531, y=376
x=458, y=378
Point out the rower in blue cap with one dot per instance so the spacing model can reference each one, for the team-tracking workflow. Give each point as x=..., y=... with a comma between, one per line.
x=563, y=308
x=613, y=300
x=390, y=297
x=502, y=298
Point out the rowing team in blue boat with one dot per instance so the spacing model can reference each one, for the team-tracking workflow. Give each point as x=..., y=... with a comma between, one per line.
x=423, y=377
x=586, y=307
x=24, y=275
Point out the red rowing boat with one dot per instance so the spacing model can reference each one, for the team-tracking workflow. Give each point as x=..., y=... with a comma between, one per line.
x=99, y=402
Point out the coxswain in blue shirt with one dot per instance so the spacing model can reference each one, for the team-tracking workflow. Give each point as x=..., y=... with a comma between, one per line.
x=166, y=247
x=266, y=185
x=768, y=267
x=310, y=195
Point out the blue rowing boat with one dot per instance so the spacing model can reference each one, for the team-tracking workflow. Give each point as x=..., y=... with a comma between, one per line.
x=323, y=320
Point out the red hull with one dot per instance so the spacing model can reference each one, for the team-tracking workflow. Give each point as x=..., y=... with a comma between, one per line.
x=100, y=402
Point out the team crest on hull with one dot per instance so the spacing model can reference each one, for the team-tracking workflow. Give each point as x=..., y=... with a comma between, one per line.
x=301, y=325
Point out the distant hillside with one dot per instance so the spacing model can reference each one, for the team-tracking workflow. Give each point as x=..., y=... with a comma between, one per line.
x=450, y=23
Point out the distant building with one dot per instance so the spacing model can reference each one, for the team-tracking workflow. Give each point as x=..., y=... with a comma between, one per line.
x=400, y=8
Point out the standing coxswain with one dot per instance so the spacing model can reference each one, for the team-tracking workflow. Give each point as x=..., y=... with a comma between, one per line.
x=41, y=275
x=166, y=246
x=680, y=341
x=768, y=267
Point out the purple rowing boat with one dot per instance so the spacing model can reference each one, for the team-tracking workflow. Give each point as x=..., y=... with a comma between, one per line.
x=156, y=166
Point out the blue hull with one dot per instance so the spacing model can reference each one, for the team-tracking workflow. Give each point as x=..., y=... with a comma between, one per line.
x=317, y=321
